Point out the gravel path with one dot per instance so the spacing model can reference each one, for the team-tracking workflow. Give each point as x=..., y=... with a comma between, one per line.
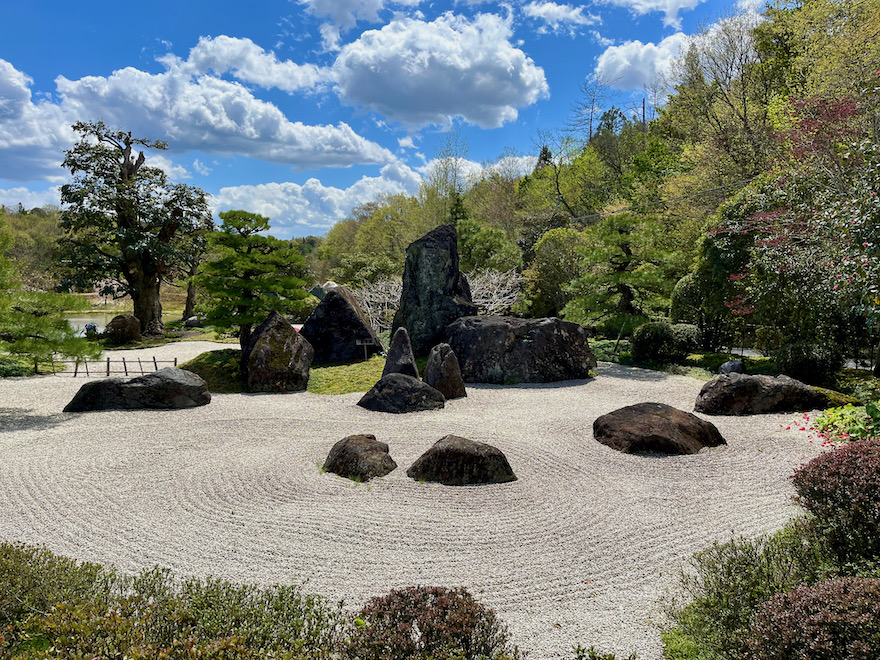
x=581, y=549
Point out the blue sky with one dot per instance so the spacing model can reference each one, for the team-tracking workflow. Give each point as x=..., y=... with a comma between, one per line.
x=301, y=109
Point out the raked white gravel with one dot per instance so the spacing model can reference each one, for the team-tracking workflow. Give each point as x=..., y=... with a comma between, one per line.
x=581, y=549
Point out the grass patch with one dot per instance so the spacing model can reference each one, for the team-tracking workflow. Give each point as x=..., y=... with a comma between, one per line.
x=220, y=370
x=346, y=378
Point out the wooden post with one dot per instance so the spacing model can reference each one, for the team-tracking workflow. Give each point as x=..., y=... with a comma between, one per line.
x=155, y=364
x=87, y=368
x=108, y=366
x=36, y=367
x=175, y=362
x=76, y=368
x=124, y=366
x=141, y=366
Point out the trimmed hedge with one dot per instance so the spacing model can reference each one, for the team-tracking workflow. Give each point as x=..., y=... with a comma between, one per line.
x=810, y=363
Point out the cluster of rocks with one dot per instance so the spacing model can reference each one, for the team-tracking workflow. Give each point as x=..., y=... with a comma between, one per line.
x=400, y=390
x=452, y=461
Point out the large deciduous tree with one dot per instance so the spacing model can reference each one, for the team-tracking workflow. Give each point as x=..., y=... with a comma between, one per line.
x=249, y=275
x=127, y=227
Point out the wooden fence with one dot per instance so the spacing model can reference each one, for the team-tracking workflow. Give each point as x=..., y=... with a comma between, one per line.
x=103, y=368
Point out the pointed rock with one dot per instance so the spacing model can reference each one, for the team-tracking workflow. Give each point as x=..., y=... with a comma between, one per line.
x=443, y=372
x=277, y=358
x=400, y=358
x=338, y=330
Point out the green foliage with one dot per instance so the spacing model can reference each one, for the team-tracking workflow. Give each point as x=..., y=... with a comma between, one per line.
x=32, y=323
x=52, y=607
x=766, y=339
x=841, y=489
x=557, y=262
x=624, y=272
x=728, y=582
x=250, y=275
x=346, y=378
x=837, y=619
x=34, y=247
x=621, y=325
x=481, y=247
x=126, y=227
x=807, y=362
x=359, y=269
x=686, y=338
x=849, y=422
x=11, y=367
x=422, y=623
x=861, y=384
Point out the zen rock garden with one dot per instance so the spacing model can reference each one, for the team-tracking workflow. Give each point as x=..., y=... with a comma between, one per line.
x=438, y=319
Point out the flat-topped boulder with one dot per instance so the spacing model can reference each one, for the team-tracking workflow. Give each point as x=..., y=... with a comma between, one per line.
x=443, y=373
x=505, y=349
x=167, y=389
x=435, y=292
x=360, y=457
x=123, y=329
x=655, y=428
x=400, y=358
x=744, y=394
x=399, y=393
x=338, y=329
x=457, y=461
x=277, y=358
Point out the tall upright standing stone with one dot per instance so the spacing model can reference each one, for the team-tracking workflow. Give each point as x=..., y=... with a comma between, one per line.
x=338, y=329
x=276, y=358
x=435, y=292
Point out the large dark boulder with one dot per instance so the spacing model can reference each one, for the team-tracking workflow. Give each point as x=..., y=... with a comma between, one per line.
x=744, y=394
x=656, y=428
x=277, y=358
x=503, y=349
x=337, y=326
x=443, y=373
x=399, y=393
x=456, y=461
x=400, y=359
x=359, y=457
x=167, y=389
x=435, y=292
x=123, y=329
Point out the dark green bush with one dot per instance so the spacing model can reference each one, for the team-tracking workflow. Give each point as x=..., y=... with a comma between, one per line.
x=766, y=339
x=622, y=325
x=728, y=582
x=687, y=339
x=653, y=341
x=810, y=363
x=419, y=623
x=841, y=489
x=836, y=619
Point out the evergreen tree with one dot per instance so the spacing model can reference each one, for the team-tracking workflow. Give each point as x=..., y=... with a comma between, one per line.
x=250, y=275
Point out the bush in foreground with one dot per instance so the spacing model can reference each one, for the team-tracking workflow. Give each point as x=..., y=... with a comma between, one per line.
x=419, y=623
x=837, y=619
x=842, y=490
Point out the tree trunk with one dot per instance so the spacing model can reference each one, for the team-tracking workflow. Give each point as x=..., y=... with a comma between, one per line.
x=190, y=307
x=148, y=308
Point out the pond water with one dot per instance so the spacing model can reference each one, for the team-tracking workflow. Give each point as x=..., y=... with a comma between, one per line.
x=78, y=320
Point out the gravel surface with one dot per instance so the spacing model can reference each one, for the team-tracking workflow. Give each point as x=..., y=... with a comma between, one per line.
x=581, y=549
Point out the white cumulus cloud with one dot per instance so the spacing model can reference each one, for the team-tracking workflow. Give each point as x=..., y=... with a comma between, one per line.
x=248, y=62
x=421, y=73
x=296, y=210
x=343, y=15
x=670, y=8
x=633, y=65
x=560, y=17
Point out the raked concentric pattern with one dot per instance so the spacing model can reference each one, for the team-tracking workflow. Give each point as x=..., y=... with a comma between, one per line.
x=582, y=549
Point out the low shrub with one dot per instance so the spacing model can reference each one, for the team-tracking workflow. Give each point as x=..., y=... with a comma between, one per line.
x=580, y=653
x=428, y=622
x=620, y=326
x=810, y=363
x=837, y=619
x=653, y=342
x=13, y=367
x=728, y=582
x=849, y=422
x=687, y=339
x=841, y=489
x=766, y=340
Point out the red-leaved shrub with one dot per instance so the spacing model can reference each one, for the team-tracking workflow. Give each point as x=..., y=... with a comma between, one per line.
x=834, y=620
x=842, y=489
x=428, y=622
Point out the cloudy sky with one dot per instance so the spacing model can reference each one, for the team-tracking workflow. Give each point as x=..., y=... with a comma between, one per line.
x=301, y=109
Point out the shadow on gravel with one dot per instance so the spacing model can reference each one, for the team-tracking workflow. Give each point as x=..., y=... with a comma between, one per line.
x=18, y=419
